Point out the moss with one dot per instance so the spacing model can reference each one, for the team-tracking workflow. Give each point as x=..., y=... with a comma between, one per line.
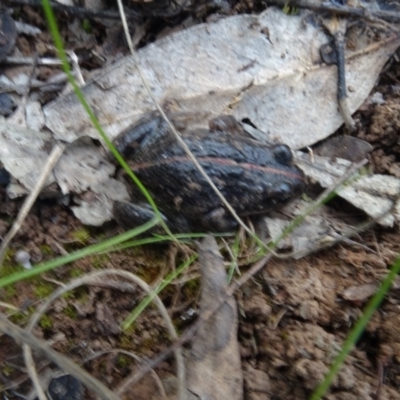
x=21, y=317
x=9, y=267
x=45, y=322
x=191, y=288
x=75, y=272
x=43, y=289
x=70, y=312
x=99, y=260
x=9, y=292
x=289, y=10
x=68, y=295
x=87, y=27
x=81, y=235
x=125, y=340
x=7, y=370
x=123, y=361
x=80, y=293
x=46, y=250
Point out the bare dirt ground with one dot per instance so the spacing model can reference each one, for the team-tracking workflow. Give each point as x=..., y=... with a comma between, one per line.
x=293, y=316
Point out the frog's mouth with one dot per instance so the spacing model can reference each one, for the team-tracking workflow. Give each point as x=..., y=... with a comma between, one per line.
x=219, y=161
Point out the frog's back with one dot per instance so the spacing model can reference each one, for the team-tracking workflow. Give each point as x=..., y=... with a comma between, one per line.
x=252, y=177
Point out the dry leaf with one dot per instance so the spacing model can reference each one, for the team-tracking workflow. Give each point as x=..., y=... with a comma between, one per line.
x=264, y=68
x=213, y=367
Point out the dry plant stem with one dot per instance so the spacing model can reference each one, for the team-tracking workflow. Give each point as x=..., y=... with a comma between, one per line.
x=190, y=332
x=337, y=28
x=9, y=306
x=97, y=278
x=48, y=167
x=171, y=126
x=342, y=91
x=76, y=69
x=31, y=60
x=37, y=85
x=156, y=378
x=63, y=362
x=30, y=368
x=346, y=11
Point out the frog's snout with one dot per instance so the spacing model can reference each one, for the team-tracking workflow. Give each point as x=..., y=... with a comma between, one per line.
x=282, y=154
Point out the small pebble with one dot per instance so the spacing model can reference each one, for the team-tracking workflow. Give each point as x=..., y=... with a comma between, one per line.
x=23, y=257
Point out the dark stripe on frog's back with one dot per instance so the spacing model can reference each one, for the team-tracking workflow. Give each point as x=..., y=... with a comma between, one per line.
x=223, y=148
x=207, y=144
x=226, y=145
x=234, y=182
x=184, y=163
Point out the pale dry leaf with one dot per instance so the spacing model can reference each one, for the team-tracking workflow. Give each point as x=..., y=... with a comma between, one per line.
x=82, y=167
x=22, y=153
x=34, y=115
x=266, y=68
x=376, y=195
x=322, y=228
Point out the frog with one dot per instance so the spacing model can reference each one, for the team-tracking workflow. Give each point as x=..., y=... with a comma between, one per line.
x=255, y=178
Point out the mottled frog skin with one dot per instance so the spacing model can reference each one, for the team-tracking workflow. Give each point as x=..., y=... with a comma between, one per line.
x=253, y=177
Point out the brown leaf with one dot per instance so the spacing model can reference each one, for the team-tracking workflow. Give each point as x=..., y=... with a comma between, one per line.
x=214, y=369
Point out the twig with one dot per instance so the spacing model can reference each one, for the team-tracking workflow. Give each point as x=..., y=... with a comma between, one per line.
x=360, y=12
x=76, y=70
x=337, y=29
x=30, y=61
x=31, y=369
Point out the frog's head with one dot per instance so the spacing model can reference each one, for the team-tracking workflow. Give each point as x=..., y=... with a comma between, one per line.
x=288, y=179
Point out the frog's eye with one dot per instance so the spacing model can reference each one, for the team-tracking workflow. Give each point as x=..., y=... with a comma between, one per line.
x=282, y=154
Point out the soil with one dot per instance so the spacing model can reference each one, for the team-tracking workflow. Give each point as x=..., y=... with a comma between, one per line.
x=293, y=316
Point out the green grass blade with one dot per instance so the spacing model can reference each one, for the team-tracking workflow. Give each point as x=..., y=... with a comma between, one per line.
x=96, y=248
x=357, y=331
x=61, y=52
x=148, y=299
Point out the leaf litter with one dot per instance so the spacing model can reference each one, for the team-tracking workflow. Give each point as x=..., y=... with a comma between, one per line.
x=306, y=291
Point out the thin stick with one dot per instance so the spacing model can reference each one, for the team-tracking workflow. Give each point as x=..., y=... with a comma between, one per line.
x=359, y=12
x=48, y=167
x=30, y=61
x=31, y=369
